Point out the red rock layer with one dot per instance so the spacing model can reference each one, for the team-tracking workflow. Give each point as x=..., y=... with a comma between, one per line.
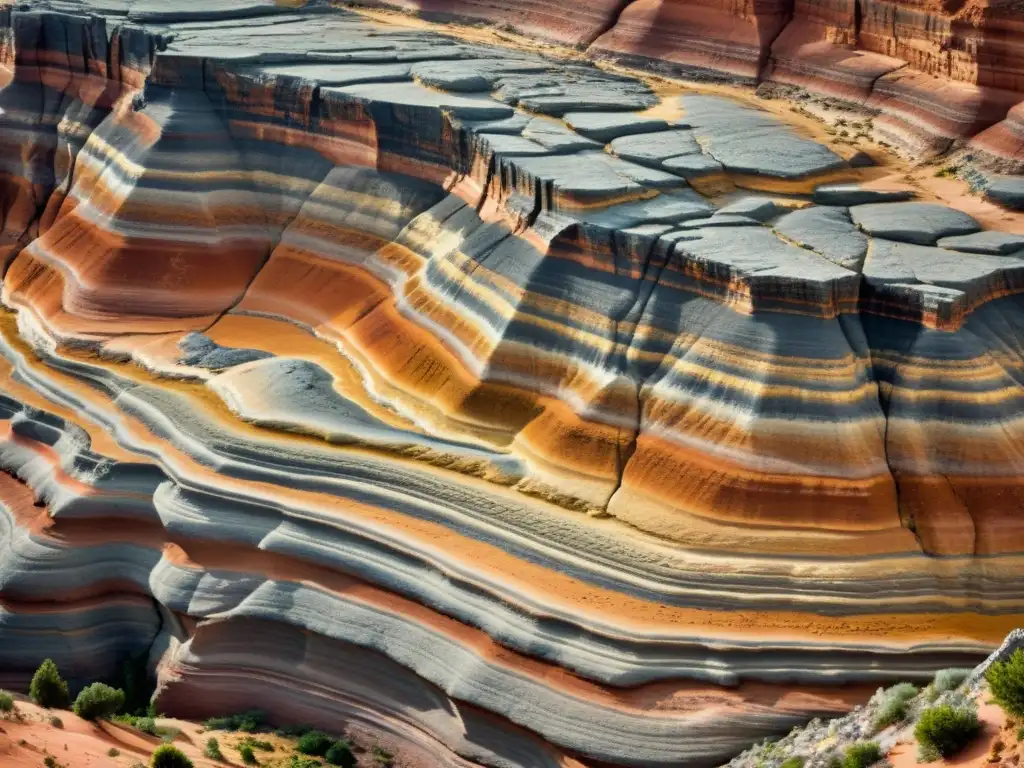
x=703, y=38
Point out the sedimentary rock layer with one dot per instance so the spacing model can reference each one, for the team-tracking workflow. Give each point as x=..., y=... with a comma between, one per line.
x=484, y=399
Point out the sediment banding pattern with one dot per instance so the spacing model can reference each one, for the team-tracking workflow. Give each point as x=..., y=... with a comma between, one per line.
x=441, y=368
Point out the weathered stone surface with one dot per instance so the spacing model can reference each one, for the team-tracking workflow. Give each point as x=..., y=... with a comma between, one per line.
x=853, y=194
x=747, y=140
x=828, y=231
x=990, y=242
x=921, y=223
x=605, y=126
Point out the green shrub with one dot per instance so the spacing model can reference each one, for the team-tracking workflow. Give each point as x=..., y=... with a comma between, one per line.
x=51, y=762
x=298, y=761
x=48, y=689
x=250, y=722
x=314, y=743
x=790, y=762
x=893, y=707
x=167, y=756
x=950, y=679
x=1006, y=682
x=98, y=701
x=113, y=752
x=6, y=703
x=294, y=731
x=56, y=722
x=247, y=755
x=862, y=754
x=384, y=759
x=262, y=744
x=946, y=729
x=1020, y=734
x=144, y=724
x=340, y=754
x=212, y=750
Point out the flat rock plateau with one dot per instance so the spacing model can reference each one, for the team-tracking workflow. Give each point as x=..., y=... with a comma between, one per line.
x=505, y=405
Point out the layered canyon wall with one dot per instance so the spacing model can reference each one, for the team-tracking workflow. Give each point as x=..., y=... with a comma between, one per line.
x=489, y=402
x=940, y=75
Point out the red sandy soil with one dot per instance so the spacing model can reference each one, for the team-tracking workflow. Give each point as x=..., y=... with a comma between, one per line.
x=26, y=740
x=996, y=730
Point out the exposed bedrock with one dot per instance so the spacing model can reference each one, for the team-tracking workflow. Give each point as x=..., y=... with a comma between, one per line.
x=937, y=73
x=487, y=402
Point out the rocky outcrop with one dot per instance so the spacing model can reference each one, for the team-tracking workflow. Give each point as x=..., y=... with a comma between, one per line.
x=484, y=398
x=936, y=74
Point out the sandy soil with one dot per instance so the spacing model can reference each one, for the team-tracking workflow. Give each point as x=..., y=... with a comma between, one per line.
x=25, y=741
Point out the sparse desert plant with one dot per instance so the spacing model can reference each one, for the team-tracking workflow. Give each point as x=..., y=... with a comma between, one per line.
x=314, y=743
x=893, y=707
x=948, y=679
x=1006, y=683
x=793, y=762
x=250, y=722
x=146, y=725
x=98, y=701
x=48, y=688
x=340, y=754
x=862, y=754
x=56, y=722
x=167, y=756
x=212, y=750
x=385, y=759
x=6, y=703
x=1020, y=734
x=946, y=729
x=298, y=761
x=247, y=755
x=113, y=752
x=261, y=744
x=51, y=762
x=294, y=731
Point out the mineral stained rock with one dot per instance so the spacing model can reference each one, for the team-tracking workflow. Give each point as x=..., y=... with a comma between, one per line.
x=435, y=401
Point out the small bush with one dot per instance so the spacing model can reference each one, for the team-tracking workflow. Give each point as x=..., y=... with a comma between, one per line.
x=861, y=755
x=212, y=750
x=340, y=754
x=167, y=756
x=113, y=752
x=247, y=755
x=48, y=688
x=314, y=743
x=51, y=762
x=262, y=744
x=293, y=731
x=298, y=761
x=384, y=759
x=98, y=701
x=946, y=729
x=145, y=725
x=250, y=722
x=56, y=722
x=1006, y=682
x=6, y=703
x=790, y=762
x=893, y=708
x=948, y=679
x=1020, y=734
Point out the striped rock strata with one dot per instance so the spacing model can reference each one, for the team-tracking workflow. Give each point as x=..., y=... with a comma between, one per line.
x=481, y=400
x=936, y=74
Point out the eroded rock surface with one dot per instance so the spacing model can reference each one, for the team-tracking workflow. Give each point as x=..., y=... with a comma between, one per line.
x=483, y=405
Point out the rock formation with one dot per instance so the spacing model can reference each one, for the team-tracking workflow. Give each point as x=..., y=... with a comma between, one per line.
x=489, y=400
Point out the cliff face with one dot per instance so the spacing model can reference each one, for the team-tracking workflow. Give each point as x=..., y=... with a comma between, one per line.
x=378, y=377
